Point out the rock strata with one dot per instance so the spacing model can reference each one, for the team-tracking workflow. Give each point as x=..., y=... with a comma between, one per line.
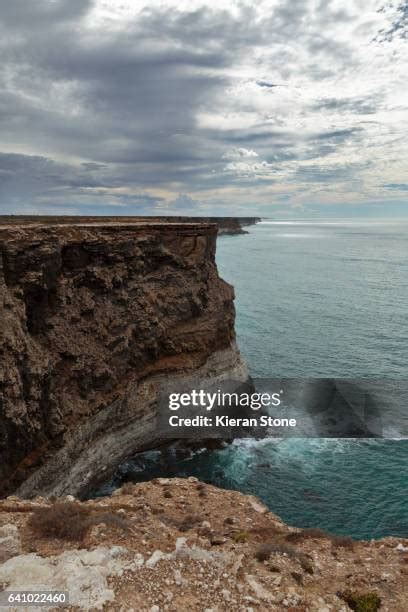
x=95, y=319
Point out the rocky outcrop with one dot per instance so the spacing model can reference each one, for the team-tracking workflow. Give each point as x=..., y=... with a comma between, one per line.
x=95, y=319
x=178, y=544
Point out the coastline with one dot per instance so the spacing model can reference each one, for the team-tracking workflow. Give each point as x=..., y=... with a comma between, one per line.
x=97, y=318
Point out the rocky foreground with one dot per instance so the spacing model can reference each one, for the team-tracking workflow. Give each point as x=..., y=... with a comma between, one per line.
x=178, y=544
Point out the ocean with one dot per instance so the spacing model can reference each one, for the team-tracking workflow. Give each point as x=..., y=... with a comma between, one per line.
x=313, y=299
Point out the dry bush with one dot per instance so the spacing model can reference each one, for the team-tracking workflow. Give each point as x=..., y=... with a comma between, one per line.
x=297, y=577
x=314, y=533
x=361, y=602
x=128, y=488
x=266, y=533
x=189, y=521
x=311, y=533
x=264, y=551
x=342, y=542
x=305, y=563
x=240, y=537
x=63, y=520
x=201, y=490
x=71, y=521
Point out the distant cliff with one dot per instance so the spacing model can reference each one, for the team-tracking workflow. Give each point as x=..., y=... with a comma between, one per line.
x=226, y=225
x=93, y=320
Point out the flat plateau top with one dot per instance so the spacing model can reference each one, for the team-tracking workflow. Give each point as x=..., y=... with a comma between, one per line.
x=103, y=220
x=110, y=224
x=106, y=224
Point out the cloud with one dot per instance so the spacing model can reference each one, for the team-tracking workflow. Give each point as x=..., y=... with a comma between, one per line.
x=35, y=184
x=396, y=186
x=397, y=17
x=266, y=84
x=21, y=16
x=129, y=106
x=354, y=106
x=240, y=153
x=183, y=203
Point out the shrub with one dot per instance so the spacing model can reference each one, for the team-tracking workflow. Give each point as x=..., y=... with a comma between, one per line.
x=240, y=537
x=342, y=542
x=71, y=521
x=63, y=520
x=311, y=533
x=127, y=488
x=201, y=490
x=305, y=563
x=264, y=551
x=190, y=521
x=365, y=602
x=297, y=577
x=314, y=533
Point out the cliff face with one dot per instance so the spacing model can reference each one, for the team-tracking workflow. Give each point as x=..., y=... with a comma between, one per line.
x=93, y=320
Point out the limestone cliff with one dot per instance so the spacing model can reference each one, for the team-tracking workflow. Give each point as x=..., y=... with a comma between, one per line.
x=93, y=319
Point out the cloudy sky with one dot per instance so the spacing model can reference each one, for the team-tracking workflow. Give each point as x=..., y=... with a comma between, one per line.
x=274, y=107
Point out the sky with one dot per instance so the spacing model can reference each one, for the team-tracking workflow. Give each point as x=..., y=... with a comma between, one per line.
x=282, y=108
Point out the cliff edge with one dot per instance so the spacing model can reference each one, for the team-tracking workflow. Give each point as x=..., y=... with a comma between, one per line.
x=226, y=225
x=179, y=544
x=94, y=319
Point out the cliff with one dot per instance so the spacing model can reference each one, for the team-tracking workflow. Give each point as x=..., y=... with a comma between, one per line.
x=178, y=544
x=226, y=225
x=94, y=320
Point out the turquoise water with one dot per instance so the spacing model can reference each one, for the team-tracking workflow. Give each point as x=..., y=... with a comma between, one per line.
x=314, y=300
x=320, y=299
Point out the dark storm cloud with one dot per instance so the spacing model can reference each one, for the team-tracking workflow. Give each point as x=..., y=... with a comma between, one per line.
x=33, y=183
x=114, y=113
x=134, y=93
x=22, y=15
